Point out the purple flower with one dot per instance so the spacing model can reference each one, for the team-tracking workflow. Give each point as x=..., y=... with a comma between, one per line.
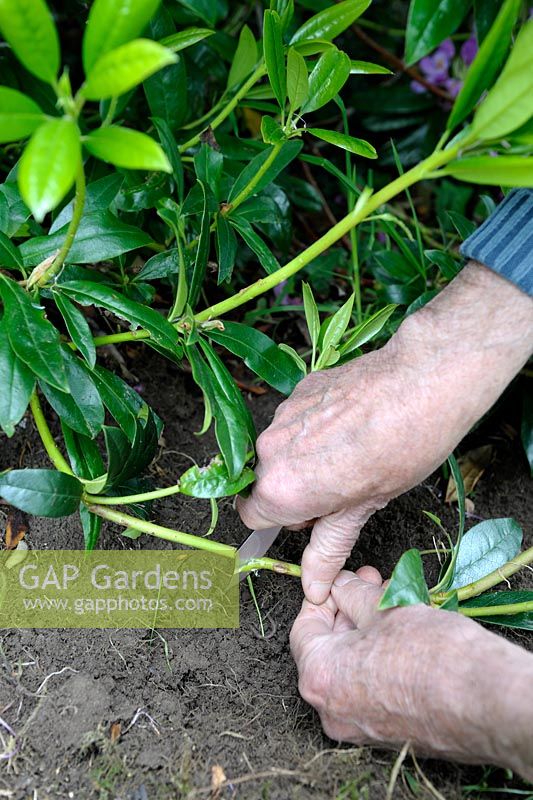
x=469, y=50
x=453, y=86
x=285, y=299
x=435, y=67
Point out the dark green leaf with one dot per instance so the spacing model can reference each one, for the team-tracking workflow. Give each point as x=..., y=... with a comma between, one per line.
x=485, y=12
x=128, y=460
x=202, y=254
x=213, y=480
x=78, y=328
x=267, y=260
x=226, y=244
x=84, y=454
x=99, y=196
x=168, y=143
x=80, y=408
x=494, y=171
x=17, y=382
x=523, y=620
x=332, y=21
x=484, y=548
x=407, y=585
x=112, y=23
x=33, y=339
x=447, y=572
x=124, y=147
x=274, y=55
x=43, y=492
x=288, y=152
x=166, y=90
x=92, y=525
x=29, y=28
x=329, y=75
x=9, y=255
x=162, y=265
x=208, y=164
x=19, y=115
x=122, y=402
x=260, y=354
x=121, y=69
x=350, y=143
x=271, y=130
x=429, y=23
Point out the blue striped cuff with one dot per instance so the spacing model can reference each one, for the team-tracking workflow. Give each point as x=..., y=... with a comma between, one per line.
x=504, y=242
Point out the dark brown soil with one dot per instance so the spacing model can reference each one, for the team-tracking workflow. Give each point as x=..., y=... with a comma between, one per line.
x=207, y=698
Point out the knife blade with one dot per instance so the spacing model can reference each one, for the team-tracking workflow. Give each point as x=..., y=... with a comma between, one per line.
x=256, y=546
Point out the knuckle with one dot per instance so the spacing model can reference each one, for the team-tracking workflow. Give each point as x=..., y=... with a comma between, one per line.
x=313, y=684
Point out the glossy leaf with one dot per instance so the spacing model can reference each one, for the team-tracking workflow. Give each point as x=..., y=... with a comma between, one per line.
x=20, y=116
x=368, y=68
x=80, y=407
x=329, y=75
x=49, y=165
x=523, y=620
x=32, y=337
x=226, y=244
x=486, y=63
x=123, y=403
x=182, y=39
x=9, y=255
x=366, y=331
x=494, y=171
x=129, y=459
x=17, y=382
x=43, y=492
x=88, y=293
x=92, y=525
x=260, y=354
x=162, y=265
x=202, y=254
x=169, y=145
x=350, y=143
x=214, y=481
x=112, y=23
x=99, y=196
x=267, y=260
x=311, y=315
x=337, y=325
x=271, y=130
x=288, y=152
x=297, y=79
x=484, y=548
x=407, y=585
x=166, y=90
x=101, y=236
x=485, y=12
x=77, y=327
x=332, y=21
x=508, y=104
x=245, y=58
x=29, y=28
x=429, y=23
x=84, y=455
x=124, y=68
x=274, y=55
x=124, y=147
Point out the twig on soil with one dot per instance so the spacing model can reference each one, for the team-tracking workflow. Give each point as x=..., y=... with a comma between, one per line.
x=421, y=774
x=142, y=713
x=404, y=752
x=43, y=684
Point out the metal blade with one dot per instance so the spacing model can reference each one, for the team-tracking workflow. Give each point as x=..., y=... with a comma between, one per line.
x=257, y=545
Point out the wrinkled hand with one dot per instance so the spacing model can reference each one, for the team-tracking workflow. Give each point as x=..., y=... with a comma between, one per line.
x=416, y=674
x=350, y=439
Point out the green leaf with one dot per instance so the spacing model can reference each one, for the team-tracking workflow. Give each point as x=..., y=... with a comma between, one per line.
x=208, y=164
x=353, y=145
x=78, y=328
x=166, y=91
x=494, y=171
x=9, y=255
x=508, y=104
x=297, y=79
x=523, y=620
x=296, y=357
x=33, y=339
x=486, y=63
x=168, y=142
x=485, y=12
x=182, y=39
x=311, y=316
x=92, y=525
x=112, y=23
x=129, y=459
x=99, y=196
x=29, y=28
x=19, y=115
x=448, y=569
x=368, y=68
x=407, y=585
x=124, y=147
x=124, y=68
x=245, y=58
x=329, y=75
x=202, y=254
x=84, y=455
x=214, y=481
x=260, y=354
x=267, y=260
x=366, y=331
x=49, y=165
x=226, y=244
x=274, y=55
x=17, y=382
x=80, y=408
x=88, y=293
x=429, y=23
x=484, y=548
x=288, y=152
x=332, y=21
x=162, y=265
x=271, y=131
x=43, y=492
x=101, y=236
x=337, y=325
x=123, y=403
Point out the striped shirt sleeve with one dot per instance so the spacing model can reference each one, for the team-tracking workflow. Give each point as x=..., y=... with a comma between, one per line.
x=504, y=242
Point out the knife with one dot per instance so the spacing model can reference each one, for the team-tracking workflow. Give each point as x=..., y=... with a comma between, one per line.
x=256, y=546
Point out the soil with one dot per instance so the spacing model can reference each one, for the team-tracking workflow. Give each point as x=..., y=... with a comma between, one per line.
x=191, y=701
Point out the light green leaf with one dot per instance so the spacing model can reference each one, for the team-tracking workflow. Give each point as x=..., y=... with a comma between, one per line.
x=214, y=481
x=368, y=68
x=329, y=75
x=297, y=79
x=28, y=27
x=407, y=585
x=271, y=130
x=337, y=325
x=124, y=68
x=182, y=39
x=17, y=382
x=245, y=58
x=49, y=165
x=288, y=152
x=332, y=21
x=124, y=147
x=274, y=55
x=20, y=116
x=485, y=548
x=112, y=23
x=43, y=492
x=367, y=329
x=311, y=315
x=350, y=143
x=493, y=171
x=296, y=357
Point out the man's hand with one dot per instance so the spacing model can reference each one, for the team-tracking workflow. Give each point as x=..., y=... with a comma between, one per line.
x=350, y=439
x=416, y=674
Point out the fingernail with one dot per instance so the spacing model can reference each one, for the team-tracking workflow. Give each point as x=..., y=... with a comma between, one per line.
x=344, y=578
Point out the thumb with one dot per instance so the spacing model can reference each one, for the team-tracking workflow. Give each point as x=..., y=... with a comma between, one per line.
x=357, y=596
x=331, y=543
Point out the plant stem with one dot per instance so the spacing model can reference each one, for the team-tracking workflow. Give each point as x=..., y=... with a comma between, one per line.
x=282, y=567
x=492, y=611
x=490, y=580
x=226, y=111
x=143, y=497
x=54, y=453
x=170, y=535
x=249, y=189
x=79, y=202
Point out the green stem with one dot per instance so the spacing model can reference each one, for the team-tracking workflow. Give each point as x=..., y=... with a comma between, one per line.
x=54, y=453
x=125, y=500
x=226, y=111
x=492, y=611
x=490, y=580
x=281, y=567
x=59, y=260
x=249, y=189
x=170, y=535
